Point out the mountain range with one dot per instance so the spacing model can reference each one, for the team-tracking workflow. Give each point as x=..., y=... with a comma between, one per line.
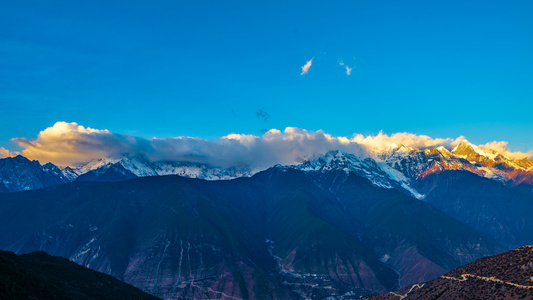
x=398, y=167
x=336, y=225
x=20, y=174
x=301, y=235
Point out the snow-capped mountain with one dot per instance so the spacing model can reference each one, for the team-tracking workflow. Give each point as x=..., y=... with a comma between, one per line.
x=19, y=173
x=493, y=164
x=397, y=167
x=136, y=164
x=405, y=167
x=338, y=160
x=410, y=165
x=139, y=166
x=197, y=170
x=70, y=174
x=416, y=163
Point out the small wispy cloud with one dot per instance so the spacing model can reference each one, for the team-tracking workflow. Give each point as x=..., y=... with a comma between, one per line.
x=348, y=71
x=305, y=68
x=341, y=63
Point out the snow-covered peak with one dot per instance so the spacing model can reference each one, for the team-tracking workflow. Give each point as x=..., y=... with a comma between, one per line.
x=349, y=163
x=140, y=166
x=469, y=151
x=405, y=149
x=334, y=159
x=94, y=164
x=197, y=170
x=445, y=152
x=464, y=144
x=398, y=154
x=70, y=173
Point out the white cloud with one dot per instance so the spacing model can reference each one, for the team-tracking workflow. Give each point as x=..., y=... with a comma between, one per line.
x=382, y=140
x=70, y=143
x=341, y=63
x=305, y=68
x=6, y=153
x=501, y=147
x=348, y=71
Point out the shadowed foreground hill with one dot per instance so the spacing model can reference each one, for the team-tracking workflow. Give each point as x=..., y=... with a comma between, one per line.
x=38, y=275
x=505, y=276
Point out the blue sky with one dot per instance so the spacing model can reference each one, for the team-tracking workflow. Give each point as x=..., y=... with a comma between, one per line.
x=205, y=68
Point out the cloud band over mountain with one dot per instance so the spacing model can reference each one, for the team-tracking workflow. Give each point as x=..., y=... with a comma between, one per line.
x=69, y=143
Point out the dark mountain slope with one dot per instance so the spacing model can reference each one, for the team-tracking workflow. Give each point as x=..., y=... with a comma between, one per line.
x=525, y=188
x=108, y=173
x=278, y=234
x=40, y=276
x=173, y=236
x=3, y=188
x=504, y=276
x=414, y=238
x=483, y=204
